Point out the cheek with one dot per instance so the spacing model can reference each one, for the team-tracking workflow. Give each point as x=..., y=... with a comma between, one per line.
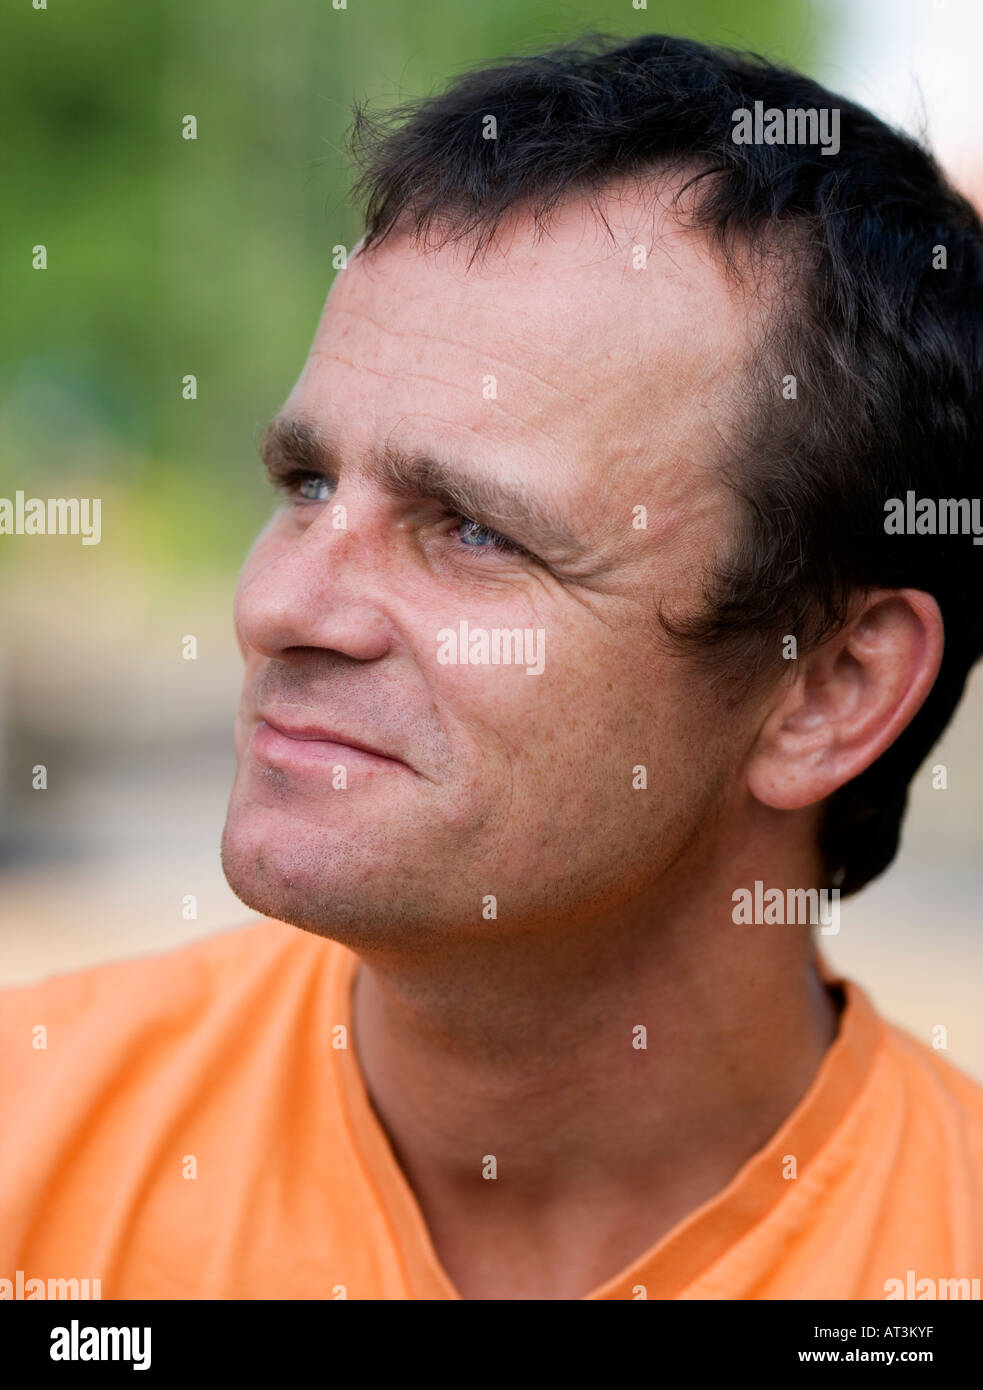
x=624, y=736
x=484, y=711
x=544, y=741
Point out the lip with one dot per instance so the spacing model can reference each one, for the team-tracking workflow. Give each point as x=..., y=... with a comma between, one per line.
x=277, y=741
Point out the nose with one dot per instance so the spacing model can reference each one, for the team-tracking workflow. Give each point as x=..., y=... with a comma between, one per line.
x=321, y=587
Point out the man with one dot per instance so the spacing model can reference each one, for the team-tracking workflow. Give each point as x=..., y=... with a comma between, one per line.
x=578, y=631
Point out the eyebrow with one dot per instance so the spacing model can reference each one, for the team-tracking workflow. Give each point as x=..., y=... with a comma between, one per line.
x=292, y=443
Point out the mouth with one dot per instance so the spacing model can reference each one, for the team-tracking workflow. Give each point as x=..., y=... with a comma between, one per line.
x=280, y=743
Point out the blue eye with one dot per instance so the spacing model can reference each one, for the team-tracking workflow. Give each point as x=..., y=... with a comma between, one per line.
x=478, y=537
x=300, y=485
x=314, y=488
x=473, y=533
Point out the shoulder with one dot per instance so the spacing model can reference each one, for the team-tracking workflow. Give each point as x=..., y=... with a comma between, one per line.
x=112, y=1077
x=183, y=1027
x=167, y=990
x=942, y=1098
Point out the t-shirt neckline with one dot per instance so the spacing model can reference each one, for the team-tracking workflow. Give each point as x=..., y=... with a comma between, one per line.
x=679, y=1257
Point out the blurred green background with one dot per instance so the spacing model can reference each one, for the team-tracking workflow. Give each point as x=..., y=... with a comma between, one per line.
x=213, y=257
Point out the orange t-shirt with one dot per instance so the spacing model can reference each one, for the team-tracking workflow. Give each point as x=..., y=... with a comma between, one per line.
x=195, y=1126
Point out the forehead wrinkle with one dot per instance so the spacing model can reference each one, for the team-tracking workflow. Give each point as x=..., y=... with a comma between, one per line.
x=458, y=345
x=388, y=375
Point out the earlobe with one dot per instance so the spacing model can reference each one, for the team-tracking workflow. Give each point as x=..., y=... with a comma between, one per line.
x=851, y=697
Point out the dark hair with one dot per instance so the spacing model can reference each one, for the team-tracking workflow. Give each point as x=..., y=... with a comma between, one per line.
x=886, y=349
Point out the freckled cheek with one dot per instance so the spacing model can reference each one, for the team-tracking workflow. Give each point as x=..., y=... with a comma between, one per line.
x=489, y=713
x=505, y=722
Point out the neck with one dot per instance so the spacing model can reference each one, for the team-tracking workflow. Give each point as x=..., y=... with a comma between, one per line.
x=632, y=1064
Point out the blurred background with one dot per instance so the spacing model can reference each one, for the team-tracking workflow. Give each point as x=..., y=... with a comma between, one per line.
x=212, y=257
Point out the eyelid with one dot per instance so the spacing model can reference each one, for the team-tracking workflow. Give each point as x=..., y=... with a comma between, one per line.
x=287, y=479
x=507, y=545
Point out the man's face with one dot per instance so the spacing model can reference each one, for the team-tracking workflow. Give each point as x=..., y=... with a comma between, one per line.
x=585, y=388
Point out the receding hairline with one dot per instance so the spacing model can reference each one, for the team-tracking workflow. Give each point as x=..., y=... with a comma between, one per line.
x=676, y=187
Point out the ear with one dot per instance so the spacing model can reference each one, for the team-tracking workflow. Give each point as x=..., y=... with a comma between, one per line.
x=848, y=700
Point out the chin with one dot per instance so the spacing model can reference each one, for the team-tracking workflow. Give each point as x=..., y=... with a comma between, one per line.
x=330, y=882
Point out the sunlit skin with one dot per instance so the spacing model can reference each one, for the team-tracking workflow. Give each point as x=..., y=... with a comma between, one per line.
x=511, y=1034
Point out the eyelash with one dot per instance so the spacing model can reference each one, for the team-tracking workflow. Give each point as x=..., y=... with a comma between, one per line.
x=289, y=485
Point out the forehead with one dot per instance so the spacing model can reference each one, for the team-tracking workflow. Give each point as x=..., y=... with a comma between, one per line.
x=610, y=344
